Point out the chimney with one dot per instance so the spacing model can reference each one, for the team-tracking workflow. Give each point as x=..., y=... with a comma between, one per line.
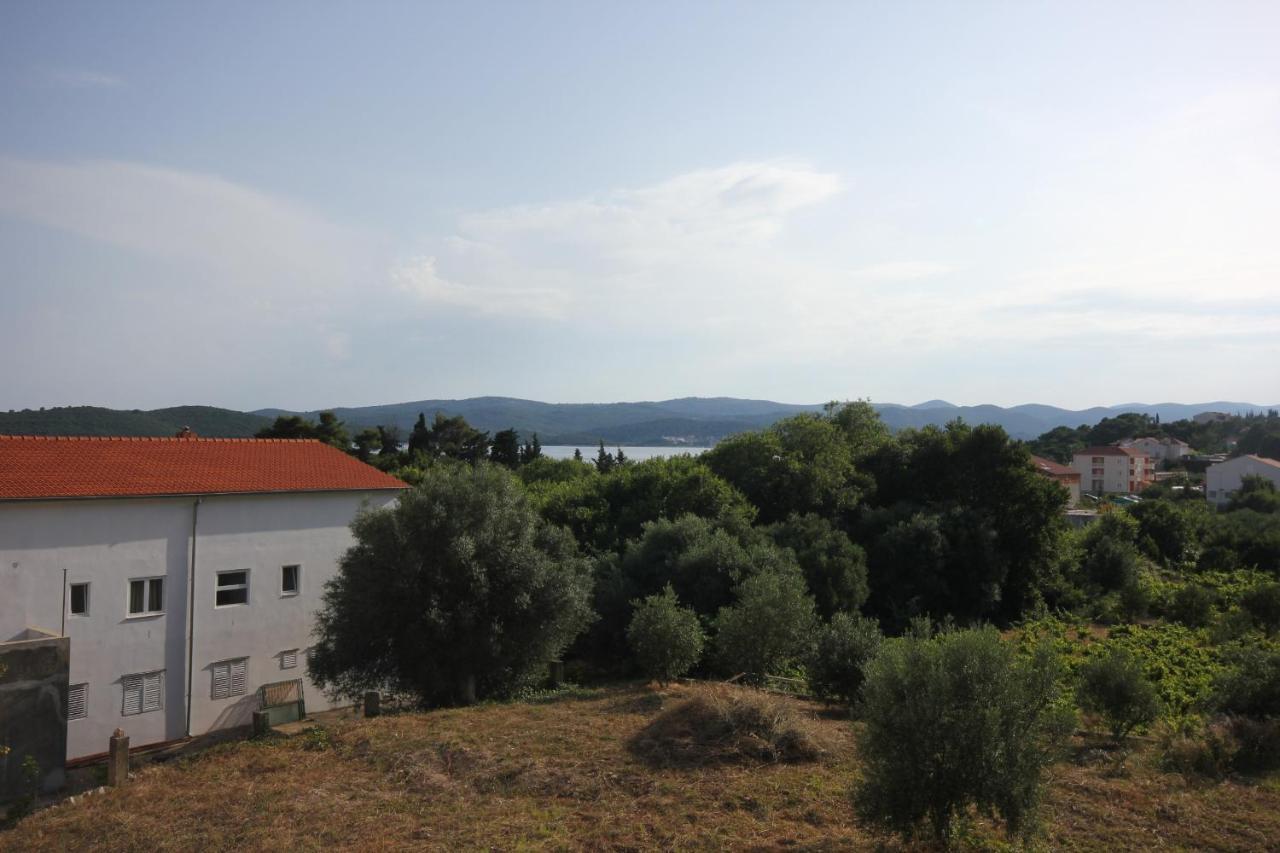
x=185, y=432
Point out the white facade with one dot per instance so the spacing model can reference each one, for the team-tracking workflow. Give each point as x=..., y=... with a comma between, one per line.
x=1111, y=470
x=1223, y=480
x=1168, y=449
x=130, y=664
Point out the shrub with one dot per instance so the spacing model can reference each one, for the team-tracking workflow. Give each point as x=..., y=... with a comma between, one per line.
x=1262, y=603
x=770, y=629
x=1114, y=686
x=1226, y=744
x=728, y=725
x=666, y=638
x=954, y=721
x=1192, y=605
x=1250, y=682
x=844, y=649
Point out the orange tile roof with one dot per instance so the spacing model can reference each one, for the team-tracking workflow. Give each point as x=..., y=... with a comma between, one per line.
x=1110, y=450
x=36, y=467
x=1048, y=466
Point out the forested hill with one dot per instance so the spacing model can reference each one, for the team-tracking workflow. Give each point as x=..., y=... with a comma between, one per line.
x=689, y=420
x=94, y=420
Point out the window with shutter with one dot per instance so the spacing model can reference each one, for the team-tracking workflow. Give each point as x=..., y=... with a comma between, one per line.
x=77, y=701
x=289, y=659
x=142, y=693
x=230, y=678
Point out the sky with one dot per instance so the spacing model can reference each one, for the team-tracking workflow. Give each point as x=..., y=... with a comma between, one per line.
x=307, y=205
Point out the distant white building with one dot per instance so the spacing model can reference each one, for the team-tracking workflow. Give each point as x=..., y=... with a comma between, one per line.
x=1165, y=449
x=1110, y=470
x=1223, y=480
x=186, y=572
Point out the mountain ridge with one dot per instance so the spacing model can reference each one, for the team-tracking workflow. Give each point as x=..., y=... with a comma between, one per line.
x=695, y=421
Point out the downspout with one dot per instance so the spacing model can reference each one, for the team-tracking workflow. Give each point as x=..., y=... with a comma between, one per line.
x=63, y=629
x=191, y=610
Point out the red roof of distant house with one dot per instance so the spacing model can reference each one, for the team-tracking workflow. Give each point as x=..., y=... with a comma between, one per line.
x=1265, y=460
x=35, y=467
x=1051, y=468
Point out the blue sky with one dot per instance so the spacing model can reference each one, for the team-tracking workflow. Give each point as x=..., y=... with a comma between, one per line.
x=305, y=205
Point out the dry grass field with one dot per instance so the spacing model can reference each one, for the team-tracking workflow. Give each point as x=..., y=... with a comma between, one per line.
x=624, y=768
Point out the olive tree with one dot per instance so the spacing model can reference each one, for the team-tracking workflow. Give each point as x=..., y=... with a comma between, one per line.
x=957, y=721
x=665, y=638
x=458, y=591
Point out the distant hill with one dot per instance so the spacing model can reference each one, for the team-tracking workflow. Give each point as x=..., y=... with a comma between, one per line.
x=697, y=421
x=705, y=420
x=93, y=420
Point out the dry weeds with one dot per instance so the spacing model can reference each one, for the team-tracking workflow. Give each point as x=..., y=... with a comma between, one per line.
x=561, y=775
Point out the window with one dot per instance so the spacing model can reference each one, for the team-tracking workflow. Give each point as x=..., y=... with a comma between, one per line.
x=146, y=596
x=289, y=659
x=290, y=580
x=79, y=599
x=233, y=588
x=1098, y=460
x=77, y=702
x=229, y=677
x=142, y=693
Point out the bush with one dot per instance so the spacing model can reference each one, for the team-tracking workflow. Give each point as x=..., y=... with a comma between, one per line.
x=954, y=721
x=1192, y=605
x=728, y=725
x=844, y=649
x=770, y=630
x=1262, y=603
x=1114, y=685
x=666, y=638
x=1250, y=682
x=1226, y=744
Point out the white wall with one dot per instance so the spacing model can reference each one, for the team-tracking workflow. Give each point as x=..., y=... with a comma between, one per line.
x=1223, y=480
x=107, y=542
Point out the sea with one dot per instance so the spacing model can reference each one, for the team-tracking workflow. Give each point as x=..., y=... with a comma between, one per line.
x=636, y=454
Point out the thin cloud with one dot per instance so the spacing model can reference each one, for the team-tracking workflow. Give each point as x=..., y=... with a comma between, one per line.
x=82, y=78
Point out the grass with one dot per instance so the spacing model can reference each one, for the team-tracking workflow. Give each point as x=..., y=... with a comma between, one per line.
x=568, y=774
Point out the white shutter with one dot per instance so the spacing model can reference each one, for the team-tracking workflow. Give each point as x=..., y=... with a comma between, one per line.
x=221, y=680
x=152, y=683
x=132, y=703
x=238, y=673
x=77, y=701
x=289, y=659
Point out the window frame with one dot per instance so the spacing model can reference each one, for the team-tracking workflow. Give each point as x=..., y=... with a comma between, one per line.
x=219, y=588
x=289, y=655
x=71, y=599
x=297, y=580
x=83, y=690
x=148, y=585
x=140, y=678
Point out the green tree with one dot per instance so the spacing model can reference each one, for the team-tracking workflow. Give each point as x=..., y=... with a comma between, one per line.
x=604, y=459
x=953, y=722
x=844, y=649
x=834, y=568
x=506, y=449
x=1255, y=493
x=388, y=440
x=333, y=432
x=1171, y=531
x=666, y=639
x=365, y=441
x=1262, y=603
x=458, y=591
x=1113, y=684
x=454, y=438
x=532, y=450
x=288, y=426
x=770, y=628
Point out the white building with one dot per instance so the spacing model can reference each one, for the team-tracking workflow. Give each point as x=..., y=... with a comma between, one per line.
x=1223, y=480
x=1110, y=469
x=1166, y=449
x=100, y=539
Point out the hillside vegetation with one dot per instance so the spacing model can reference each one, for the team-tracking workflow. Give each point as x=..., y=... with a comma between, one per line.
x=616, y=768
x=207, y=421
